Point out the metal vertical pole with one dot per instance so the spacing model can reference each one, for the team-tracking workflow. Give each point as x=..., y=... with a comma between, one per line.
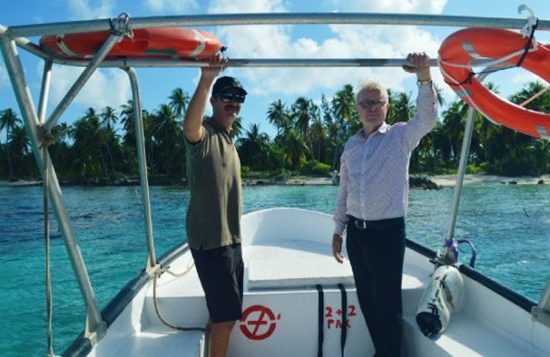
x=541, y=312
x=95, y=324
x=464, y=153
x=142, y=160
x=44, y=92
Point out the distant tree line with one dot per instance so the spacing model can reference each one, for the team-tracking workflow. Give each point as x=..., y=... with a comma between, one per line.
x=309, y=140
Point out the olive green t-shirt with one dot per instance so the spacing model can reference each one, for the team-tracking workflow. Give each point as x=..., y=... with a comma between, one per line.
x=214, y=175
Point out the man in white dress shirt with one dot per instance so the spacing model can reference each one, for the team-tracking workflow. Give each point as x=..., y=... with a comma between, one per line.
x=373, y=199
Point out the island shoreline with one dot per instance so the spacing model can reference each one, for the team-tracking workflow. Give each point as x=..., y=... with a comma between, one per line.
x=425, y=181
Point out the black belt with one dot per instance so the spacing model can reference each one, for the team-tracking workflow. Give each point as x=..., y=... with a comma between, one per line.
x=377, y=224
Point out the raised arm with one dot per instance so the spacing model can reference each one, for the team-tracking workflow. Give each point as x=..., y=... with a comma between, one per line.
x=192, y=124
x=426, y=103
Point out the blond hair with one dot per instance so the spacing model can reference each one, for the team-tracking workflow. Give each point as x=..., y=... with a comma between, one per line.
x=371, y=85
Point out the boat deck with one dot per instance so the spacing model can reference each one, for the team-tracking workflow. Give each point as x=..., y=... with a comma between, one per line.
x=281, y=306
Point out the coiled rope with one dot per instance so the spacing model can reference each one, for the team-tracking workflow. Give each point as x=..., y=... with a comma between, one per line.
x=49, y=296
x=159, y=272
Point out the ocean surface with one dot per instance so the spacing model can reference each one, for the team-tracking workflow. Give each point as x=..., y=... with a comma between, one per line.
x=509, y=225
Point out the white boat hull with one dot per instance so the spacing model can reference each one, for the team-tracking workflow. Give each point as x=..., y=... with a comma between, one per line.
x=287, y=253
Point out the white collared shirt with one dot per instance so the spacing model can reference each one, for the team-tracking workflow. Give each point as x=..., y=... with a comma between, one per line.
x=374, y=171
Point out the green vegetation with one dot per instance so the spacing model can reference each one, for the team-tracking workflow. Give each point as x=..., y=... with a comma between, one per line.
x=100, y=146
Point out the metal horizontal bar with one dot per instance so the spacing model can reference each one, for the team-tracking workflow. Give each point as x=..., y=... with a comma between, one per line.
x=263, y=62
x=277, y=19
x=321, y=62
x=31, y=47
x=249, y=62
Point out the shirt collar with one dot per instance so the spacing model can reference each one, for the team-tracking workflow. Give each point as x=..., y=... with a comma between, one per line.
x=225, y=132
x=212, y=124
x=382, y=129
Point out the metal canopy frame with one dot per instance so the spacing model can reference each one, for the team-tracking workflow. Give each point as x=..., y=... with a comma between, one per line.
x=38, y=128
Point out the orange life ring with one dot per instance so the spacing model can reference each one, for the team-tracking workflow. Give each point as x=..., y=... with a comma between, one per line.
x=455, y=57
x=145, y=43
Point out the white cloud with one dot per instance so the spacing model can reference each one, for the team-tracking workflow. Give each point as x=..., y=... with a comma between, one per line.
x=106, y=87
x=90, y=9
x=521, y=77
x=242, y=6
x=344, y=41
x=171, y=6
x=393, y=6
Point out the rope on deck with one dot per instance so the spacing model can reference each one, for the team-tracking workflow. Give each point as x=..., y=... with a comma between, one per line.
x=155, y=300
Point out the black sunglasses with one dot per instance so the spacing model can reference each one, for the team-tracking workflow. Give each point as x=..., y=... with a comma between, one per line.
x=232, y=97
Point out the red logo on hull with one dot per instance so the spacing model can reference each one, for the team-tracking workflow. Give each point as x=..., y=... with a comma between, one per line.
x=258, y=322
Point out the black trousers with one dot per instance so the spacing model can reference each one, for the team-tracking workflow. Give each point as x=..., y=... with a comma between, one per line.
x=376, y=250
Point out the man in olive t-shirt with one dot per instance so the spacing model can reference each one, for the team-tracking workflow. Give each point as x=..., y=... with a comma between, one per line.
x=214, y=212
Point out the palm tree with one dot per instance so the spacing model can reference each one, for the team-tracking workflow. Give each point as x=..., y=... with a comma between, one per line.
x=295, y=149
x=163, y=124
x=303, y=112
x=453, y=129
x=167, y=136
x=318, y=139
x=278, y=115
x=343, y=104
x=60, y=149
x=439, y=94
x=179, y=100
x=90, y=114
x=254, y=148
x=88, y=159
x=129, y=138
x=346, y=120
x=128, y=122
x=237, y=127
x=402, y=108
x=489, y=141
x=527, y=95
x=531, y=157
x=108, y=117
x=333, y=131
x=20, y=146
x=8, y=122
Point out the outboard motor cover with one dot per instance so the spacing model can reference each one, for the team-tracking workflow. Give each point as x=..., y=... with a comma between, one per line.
x=439, y=300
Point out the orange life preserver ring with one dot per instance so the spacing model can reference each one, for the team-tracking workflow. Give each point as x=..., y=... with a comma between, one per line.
x=145, y=43
x=456, y=54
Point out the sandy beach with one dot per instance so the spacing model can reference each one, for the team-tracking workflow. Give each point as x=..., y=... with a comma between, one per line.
x=6, y=183
x=440, y=180
x=450, y=180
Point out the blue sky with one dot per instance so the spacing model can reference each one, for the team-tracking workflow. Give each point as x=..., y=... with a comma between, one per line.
x=110, y=87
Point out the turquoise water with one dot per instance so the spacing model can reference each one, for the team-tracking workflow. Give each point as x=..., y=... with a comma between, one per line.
x=510, y=226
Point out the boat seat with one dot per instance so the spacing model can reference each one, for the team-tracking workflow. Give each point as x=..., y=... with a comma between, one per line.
x=304, y=264
x=158, y=341
x=174, y=343
x=465, y=336
x=294, y=264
